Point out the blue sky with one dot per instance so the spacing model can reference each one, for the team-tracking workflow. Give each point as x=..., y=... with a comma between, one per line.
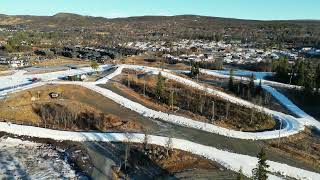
x=242, y=9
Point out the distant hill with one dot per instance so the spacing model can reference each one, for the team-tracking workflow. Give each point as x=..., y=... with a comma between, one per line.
x=66, y=15
x=181, y=19
x=182, y=26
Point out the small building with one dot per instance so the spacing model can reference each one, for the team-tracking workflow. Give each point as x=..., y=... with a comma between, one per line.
x=79, y=77
x=54, y=95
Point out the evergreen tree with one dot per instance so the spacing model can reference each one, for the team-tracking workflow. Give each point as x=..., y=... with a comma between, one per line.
x=317, y=78
x=259, y=88
x=160, y=87
x=300, y=73
x=308, y=83
x=282, y=69
x=260, y=172
x=94, y=65
x=195, y=69
x=231, y=85
x=8, y=48
x=251, y=85
x=240, y=175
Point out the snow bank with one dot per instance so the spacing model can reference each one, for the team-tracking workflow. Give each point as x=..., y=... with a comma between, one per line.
x=28, y=160
x=19, y=78
x=229, y=160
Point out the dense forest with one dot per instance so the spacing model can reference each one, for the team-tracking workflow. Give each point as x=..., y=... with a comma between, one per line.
x=302, y=73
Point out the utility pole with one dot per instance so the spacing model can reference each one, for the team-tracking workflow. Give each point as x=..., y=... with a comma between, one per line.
x=201, y=106
x=188, y=101
x=171, y=97
x=227, y=109
x=251, y=116
x=279, y=132
x=291, y=77
x=128, y=80
x=144, y=86
x=212, y=118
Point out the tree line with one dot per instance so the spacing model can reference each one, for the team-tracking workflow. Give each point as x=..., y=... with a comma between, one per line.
x=301, y=73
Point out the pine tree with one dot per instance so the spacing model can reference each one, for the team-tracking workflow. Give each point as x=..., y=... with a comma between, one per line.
x=195, y=69
x=259, y=88
x=282, y=69
x=160, y=87
x=240, y=175
x=94, y=65
x=317, y=78
x=260, y=84
x=231, y=85
x=8, y=48
x=300, y=74
x=308, y=83
x=260, y=172
x=251, y=85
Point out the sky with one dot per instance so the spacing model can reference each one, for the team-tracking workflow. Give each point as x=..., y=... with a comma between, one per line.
x=241, y=9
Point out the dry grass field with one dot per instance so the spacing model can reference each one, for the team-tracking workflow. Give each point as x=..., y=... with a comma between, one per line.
x=21, y=107
x=61, y=61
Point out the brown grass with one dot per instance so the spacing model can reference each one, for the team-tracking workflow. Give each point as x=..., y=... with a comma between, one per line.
x=304, y=146
x=20, y=107
x=149, y=102
x=139, y=60
x=10, y=21
x=239, y=117
x=180, y=160
x=3, y=68
x=61, y=61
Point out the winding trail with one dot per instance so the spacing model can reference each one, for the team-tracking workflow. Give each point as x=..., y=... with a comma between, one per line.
x=291, y=125
x=227, y=159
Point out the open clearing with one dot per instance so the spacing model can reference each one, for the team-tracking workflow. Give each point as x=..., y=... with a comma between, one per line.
x=20, y=106
x=61, y=61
